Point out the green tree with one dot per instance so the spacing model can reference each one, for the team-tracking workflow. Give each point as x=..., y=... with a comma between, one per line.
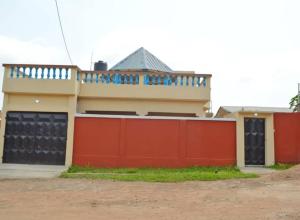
x=294, y=102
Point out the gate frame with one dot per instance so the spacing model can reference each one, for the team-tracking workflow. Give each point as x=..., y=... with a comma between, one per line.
x=52, y=107
x=269, y=136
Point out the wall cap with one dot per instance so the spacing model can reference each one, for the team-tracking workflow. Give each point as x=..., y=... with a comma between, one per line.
x=79, y=115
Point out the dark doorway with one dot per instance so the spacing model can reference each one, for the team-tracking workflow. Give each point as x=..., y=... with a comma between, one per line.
x=35, y=138
x=254, y=129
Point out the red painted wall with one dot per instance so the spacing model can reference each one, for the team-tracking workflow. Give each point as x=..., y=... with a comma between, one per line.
x=287, y=137
x=116, y=142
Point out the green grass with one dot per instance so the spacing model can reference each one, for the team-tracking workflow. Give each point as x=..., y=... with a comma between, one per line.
x=157, y=174
x=281, y=166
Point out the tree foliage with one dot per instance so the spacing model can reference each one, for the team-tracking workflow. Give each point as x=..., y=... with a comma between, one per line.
x=294, y=102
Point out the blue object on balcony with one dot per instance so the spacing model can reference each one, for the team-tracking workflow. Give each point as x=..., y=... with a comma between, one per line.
x=108, y=78
x=36, y=72
x=146, y=79
x=102, y=78
x=131, y=79
x=166, y=80
x=48, y=73
x=67, y=73
x=181, y=80
x=193, y=82
x=158, y=80
x=125, y=79
x=30, y=72
x=78, y=75
x=11, y=72
x=119, y=78
x=60, y=75
x=119, y=81
x=198, y=81
x=169, y=80
x=137, y=79
x=54, y=73
x=152, y=80
x=113, y=78
x=92, y=77
x=85, y=77
x=23, y=73
x=18, y=72
x=204, y=81
x=97, y=78
x=176, y=81
x=42, y=74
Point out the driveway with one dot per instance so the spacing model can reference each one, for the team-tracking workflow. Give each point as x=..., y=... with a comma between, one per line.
x=272, y=196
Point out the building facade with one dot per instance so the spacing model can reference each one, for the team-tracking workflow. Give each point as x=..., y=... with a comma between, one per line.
x=41, y=101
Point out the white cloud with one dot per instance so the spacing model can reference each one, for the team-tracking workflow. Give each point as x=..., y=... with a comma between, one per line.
x=240, y=77
x=13, y=50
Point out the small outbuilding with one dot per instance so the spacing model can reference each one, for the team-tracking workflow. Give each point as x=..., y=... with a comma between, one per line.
x=254, y=133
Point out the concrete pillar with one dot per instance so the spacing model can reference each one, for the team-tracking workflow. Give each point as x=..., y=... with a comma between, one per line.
x=3, y=125
x=240, y=145
x=269, y=138
x=70, y=131
x=269, y=143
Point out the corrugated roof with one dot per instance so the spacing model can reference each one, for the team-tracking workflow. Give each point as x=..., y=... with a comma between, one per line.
x=141, y=59
x=232, y=109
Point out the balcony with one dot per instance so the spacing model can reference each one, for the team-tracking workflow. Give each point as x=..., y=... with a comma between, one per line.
x=144, y=85
x=39, y=79
x=140, y=91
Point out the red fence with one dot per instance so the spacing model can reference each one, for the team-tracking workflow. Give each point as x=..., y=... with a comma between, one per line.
x=287, y=137
x=124, y=142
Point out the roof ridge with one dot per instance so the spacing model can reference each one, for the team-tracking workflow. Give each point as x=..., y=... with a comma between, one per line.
x=144, y=56
x=141, y=59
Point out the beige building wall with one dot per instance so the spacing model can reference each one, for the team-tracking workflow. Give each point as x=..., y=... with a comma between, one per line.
x=66, y=104
x=40, y=96
x=144, y=98
x=141, y=107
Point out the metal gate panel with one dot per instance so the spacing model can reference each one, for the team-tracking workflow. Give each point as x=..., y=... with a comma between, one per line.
x=35, y=138
x=254, y=129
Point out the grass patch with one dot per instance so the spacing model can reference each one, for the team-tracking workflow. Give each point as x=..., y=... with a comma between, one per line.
x=157, y=174
x=281, y=166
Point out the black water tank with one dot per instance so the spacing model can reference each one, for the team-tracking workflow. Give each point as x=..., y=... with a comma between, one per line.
x=100, y=66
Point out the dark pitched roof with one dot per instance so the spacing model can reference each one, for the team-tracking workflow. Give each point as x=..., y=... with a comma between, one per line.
x=141, y=59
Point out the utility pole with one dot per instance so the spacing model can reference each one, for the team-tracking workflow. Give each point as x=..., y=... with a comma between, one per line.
x=91, y=65
x=298, y=103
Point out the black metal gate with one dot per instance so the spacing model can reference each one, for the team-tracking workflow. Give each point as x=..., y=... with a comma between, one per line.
x=35, y=138
x=254, y=141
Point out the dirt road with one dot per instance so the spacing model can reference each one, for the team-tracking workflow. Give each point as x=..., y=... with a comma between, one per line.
x=273, y=196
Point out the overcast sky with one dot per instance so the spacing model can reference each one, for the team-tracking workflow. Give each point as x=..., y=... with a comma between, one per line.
x=252, y=47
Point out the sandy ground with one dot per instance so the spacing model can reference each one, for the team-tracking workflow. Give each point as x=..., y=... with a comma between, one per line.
x=272, y=196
